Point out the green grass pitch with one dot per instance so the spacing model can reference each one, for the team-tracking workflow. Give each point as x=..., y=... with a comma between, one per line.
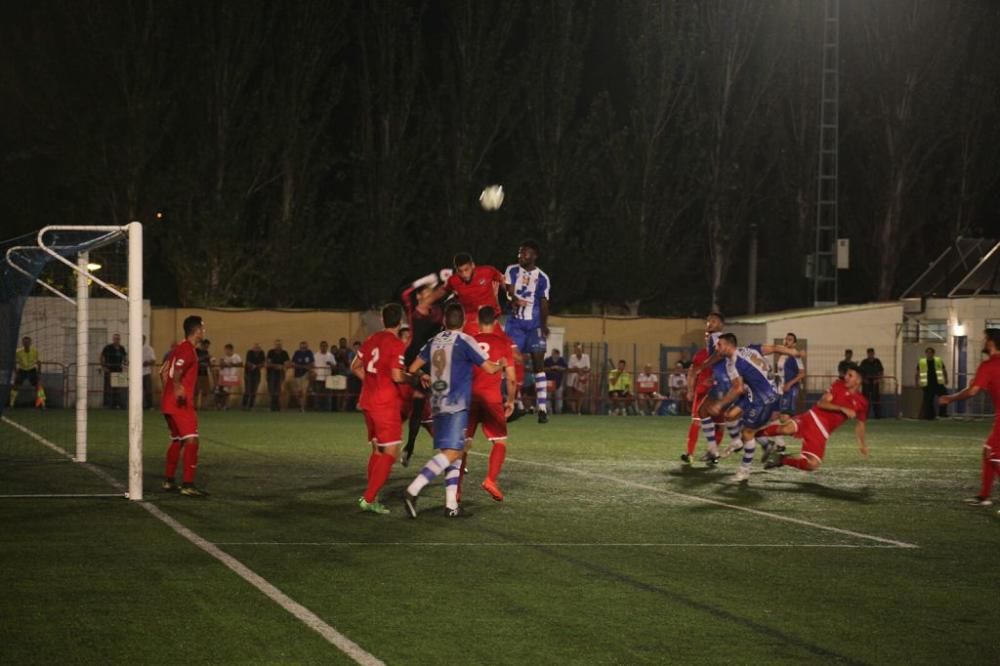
x=606, y=551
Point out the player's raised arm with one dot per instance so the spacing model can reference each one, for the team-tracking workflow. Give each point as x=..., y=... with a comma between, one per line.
x=782, y=349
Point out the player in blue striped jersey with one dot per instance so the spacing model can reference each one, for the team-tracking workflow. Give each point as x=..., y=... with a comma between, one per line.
x=790, y=373
x=450, y=355
x=753, y=397
x=528, y=289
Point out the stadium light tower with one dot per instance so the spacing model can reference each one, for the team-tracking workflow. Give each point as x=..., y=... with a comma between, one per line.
x=824, y=265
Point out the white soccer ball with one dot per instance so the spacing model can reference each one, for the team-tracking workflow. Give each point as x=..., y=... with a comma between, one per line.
x=492, y=197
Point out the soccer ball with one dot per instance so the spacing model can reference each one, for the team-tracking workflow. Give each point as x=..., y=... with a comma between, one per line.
x=492, y=197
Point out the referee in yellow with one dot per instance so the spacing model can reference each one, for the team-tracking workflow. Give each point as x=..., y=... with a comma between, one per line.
x=28, y=365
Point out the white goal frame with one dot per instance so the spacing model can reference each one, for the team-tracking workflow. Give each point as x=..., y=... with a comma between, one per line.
x=133, y=295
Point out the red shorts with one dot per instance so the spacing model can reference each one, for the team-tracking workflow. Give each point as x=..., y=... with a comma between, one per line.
x=406, y=392
x=491, y=416
x=813, y=439
x=182, y=424
x=385, y=425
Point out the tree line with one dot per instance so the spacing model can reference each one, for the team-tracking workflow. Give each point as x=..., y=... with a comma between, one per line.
x=319, y=153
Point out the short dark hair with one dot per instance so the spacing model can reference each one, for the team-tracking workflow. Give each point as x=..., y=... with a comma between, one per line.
x=621, y=360
x=870, y=349
x=730, y=338
x=462, y=258
x=794, y=337
x=852, y=366
x=929, y=349
x=531, y=244
x=849, y=351
x=454, y=315
x=487, y=316
x=191, y=324
x=718, y=315
x=206, y=342
x=993, y=334
x=229, y=345
x=392, y=314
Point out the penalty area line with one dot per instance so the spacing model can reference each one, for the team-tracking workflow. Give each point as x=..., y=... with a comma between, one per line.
x=713, y=502
x=300, y=612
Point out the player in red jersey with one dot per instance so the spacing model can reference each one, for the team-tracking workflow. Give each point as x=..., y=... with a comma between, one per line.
x=179, y=375
x=475, y=287
x=488, y=407
x=699, y=386
x=842, y=401
x=379, y=366
x=987, y=379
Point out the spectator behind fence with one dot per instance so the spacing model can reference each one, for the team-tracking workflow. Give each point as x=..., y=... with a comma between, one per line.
x=204, y=385
x=113, y=359
x=932, y=377
x=148, y=361
x=28, y=366
x=843, y=365
x=255, y=360
x=577, y=377
x=872, y=371
x=277, y=361
x=353, y=383
x=620, y=389
x=229, y=377
x=555, y=368
x=648, y=398
x=678, y=383
x=323, y=367
x=303, y=361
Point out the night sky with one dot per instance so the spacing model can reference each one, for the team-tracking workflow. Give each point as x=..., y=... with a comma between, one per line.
x=320, y=154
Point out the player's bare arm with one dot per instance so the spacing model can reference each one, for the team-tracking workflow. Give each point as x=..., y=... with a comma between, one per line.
x=826, y=403
x=734, y=392
x=545, y=317
x=357, y=370
x=782, y=349
x=964, y=394
x=859, y=434
x=510, y=375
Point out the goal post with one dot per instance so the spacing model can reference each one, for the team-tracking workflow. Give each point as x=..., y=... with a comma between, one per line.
x=70, y=246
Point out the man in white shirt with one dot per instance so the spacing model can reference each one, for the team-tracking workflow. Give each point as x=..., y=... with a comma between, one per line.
x=229, y=377
x=648, y=390
x=148, y=361
x=577, y=378
x=324, y=365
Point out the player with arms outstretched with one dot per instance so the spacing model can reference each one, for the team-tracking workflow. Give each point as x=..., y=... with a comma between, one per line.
x=528, y=289
x=179, y=375
x=987, y=379
x=488, y=407
x=842, y=401
x=451, y=356
x=425, y=314
x=379, y=366
x=475, y=287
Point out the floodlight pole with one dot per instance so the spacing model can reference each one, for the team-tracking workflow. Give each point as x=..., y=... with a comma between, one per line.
x=82, y=354
x=135, y=415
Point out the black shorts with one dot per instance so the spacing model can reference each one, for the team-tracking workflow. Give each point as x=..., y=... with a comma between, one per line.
x=30, y=375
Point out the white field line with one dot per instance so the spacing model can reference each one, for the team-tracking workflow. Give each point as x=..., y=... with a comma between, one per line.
x=545, y=544
x=303, y=614
x=706, y=500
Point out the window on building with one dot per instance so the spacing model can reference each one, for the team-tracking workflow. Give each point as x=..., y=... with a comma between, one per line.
x=926, y=330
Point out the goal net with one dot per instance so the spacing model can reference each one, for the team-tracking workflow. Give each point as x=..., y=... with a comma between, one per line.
x=72, y=322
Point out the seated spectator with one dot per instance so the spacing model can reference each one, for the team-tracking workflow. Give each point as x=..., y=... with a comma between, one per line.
x=229, y=377
x=555, y=369
x=620, y=389
x=679, y=386
x=648, y=398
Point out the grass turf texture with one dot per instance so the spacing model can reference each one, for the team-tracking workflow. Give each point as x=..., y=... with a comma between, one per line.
x=578, y=566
